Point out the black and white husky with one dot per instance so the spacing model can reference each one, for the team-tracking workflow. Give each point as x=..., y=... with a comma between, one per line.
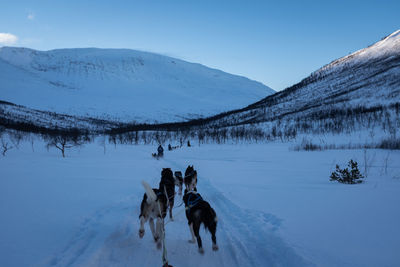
x=199, y=211
x=153, y=207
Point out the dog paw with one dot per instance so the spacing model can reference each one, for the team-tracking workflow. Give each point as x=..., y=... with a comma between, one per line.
x=156, y=238
x=201, y=251
x=141, y=233
x=215, y=247
x=192, y=241
x=171, y=219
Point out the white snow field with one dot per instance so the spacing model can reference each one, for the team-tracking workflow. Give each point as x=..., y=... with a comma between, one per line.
x=275, y=207
x=120, y=84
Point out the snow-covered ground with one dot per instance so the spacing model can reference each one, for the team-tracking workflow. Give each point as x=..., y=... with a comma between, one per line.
x=276, y=207
x=120, y=84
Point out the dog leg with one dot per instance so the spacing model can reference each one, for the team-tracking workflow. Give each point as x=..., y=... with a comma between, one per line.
x=180, y=189
x=171, y=204
x=214, y=241
x=213, y=228
x=153, y=231
x=192, y=232
x=159, y=232
x=196, y=228
x=141, y=229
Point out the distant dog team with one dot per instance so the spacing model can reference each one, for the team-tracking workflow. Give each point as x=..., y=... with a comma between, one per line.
x=198, y=211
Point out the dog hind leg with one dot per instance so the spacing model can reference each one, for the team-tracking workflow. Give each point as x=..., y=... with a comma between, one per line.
x=171, y=205
x=196, y=229
x=192, y=233
x=214, y=239
x=212, y=227
x=153, y=231
x=159, y=232
x=141, y=229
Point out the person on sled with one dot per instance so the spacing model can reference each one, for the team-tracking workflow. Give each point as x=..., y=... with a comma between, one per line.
x=160, y=151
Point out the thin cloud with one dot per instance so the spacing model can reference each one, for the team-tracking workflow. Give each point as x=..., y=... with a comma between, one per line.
x=7, y=39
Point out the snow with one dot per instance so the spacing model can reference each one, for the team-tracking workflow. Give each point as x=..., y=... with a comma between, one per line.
x=388, y=46
x=121, y=84
x=275, y=207
x=368, y=78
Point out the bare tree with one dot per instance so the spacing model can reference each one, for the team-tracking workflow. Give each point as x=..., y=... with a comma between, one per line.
x=62, y=143
x=385, y=164
x=15, y=138
x=5, y=147
x=32, y=141
x=103, y=142
x=367, y=162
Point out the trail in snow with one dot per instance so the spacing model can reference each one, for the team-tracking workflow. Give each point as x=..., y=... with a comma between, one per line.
x=83, y=210
x=245, y=238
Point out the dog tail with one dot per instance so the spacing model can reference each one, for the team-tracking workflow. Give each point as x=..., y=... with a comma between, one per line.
x=151, y=196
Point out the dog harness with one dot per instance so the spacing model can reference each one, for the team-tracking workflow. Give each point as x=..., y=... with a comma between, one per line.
x=193, y=201
x=159, y=193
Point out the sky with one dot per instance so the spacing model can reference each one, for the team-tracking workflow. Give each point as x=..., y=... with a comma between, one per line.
x=275, y=42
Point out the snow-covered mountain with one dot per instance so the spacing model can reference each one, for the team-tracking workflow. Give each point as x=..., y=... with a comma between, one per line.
x=364, y=81
x=120, y=84
x=364, y=85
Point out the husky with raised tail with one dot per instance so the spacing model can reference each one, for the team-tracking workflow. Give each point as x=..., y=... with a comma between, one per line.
x=153, y=207
x=199, y=211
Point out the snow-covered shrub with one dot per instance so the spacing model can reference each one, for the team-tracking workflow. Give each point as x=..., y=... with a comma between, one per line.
x=350, y=175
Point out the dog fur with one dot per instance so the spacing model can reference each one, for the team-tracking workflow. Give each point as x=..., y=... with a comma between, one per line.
x=190, y=179
x=179, y=181
x=167, y=185
x=153, y=207
x=199, y=211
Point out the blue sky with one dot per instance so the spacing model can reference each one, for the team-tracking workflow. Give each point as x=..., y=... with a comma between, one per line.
x=274, y=42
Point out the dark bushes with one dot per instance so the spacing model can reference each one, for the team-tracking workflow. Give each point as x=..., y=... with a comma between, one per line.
x=350, y=175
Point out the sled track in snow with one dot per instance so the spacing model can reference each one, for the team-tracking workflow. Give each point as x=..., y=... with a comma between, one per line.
x=245, y=238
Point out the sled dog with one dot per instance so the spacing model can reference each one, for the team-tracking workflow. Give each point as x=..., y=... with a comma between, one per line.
x=153, y=207
x=190, y=179
x=167, y=186
x=199, y=211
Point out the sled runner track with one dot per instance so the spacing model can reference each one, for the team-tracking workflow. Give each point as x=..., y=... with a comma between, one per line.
x=91, y=233
x=253, y=234
x=245, y=238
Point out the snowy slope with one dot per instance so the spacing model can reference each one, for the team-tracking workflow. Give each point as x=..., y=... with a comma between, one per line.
x=120, y=84
x=367, y=78
x=387, y=47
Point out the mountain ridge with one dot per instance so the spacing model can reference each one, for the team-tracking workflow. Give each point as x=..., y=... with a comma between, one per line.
x=352, y=90
x=352, y=84
x=121, y=83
